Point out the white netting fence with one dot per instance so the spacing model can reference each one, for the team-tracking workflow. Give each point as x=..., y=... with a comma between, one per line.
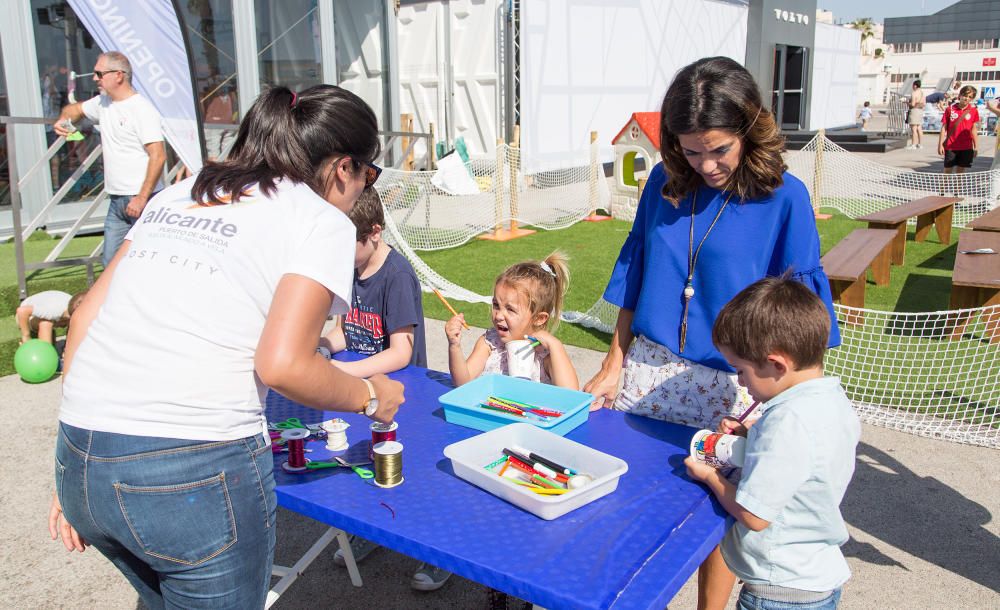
x=445, y=208
x=908, y=371
x=932, y=374
x=857, y=186
x=433, y=210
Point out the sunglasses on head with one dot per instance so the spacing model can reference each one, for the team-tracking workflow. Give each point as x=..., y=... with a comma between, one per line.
x=372, y=171
x=100, y=74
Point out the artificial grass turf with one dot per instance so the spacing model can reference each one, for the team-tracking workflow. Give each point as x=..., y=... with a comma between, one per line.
x=36, y=248
x=592, y=248
x=921, y=284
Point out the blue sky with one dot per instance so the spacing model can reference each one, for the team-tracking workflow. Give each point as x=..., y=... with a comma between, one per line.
x=848, y=10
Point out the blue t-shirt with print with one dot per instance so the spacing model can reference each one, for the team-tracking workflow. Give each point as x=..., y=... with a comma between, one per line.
x=382, y=303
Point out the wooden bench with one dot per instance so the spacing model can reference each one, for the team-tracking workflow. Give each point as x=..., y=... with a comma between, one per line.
x=976, y=281
x=990, y=221
x=929, y=211
x=847, y=263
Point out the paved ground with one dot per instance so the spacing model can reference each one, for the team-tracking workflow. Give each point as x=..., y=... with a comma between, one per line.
x=926, y=159
x=920, y=512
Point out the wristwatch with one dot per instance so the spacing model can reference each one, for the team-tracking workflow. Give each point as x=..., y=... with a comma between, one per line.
x=369, y=407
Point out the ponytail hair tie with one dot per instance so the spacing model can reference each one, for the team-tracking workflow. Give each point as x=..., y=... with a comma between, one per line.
x=295, y=100
x=546, y=268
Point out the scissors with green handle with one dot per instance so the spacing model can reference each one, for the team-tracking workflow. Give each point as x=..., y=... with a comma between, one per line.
x=337, y=462
x=290, y=424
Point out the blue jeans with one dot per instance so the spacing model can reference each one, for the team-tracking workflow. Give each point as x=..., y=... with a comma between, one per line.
x=748, y=601
x=189, y=523
x=116, y=226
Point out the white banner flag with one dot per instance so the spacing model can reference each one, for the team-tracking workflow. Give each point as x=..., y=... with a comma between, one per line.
x=148, y=32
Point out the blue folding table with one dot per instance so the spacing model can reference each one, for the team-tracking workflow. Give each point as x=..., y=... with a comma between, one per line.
x=634, y=548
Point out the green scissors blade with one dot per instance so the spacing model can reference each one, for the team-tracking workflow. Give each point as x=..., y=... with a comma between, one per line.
x=290, y=424
x=364, y=473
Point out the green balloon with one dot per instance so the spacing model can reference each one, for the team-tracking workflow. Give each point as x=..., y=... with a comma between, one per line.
x=36, y=361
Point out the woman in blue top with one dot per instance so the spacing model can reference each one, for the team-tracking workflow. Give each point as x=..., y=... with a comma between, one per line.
x=719, y=213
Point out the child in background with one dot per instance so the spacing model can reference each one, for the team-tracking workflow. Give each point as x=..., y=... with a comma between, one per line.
x=527, y=301
x=959, y=141
x=865, y=115
x=41, y=313
x=785, y=545
x=386, y=321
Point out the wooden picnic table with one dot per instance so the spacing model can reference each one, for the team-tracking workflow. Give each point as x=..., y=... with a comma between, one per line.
x=847, y=263
x=934, y=210
x=976, y=281
x=990, y=221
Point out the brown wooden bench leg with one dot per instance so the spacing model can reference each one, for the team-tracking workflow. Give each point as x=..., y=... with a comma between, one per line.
x=924, y=224
x=962, y=297
x=991, y=319
x=851, y=294
x=899, y=243
x=942, y=222
x=880, y=266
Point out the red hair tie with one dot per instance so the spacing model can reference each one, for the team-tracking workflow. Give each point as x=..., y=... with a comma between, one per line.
x=295, y=99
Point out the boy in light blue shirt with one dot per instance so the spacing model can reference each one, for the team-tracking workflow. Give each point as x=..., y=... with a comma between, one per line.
x=785, y=545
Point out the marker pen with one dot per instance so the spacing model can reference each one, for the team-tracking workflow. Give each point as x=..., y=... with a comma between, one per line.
x=537, y=469
x=534, y=457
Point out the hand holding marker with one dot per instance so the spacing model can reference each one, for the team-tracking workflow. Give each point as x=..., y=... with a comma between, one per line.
x=450, y=308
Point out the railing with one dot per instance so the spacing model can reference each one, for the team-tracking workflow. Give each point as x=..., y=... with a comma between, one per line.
x=896, y=110
x=406, y=141
x=17, y=184
x=394, y=142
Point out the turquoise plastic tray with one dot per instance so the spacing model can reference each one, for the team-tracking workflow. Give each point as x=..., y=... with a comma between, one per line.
x=461, y=405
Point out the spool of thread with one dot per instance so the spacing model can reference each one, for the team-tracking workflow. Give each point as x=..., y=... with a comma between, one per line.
x=275, y=436
x=388, y=463
x=381, y=433
x=295, y=440
x=336, y=434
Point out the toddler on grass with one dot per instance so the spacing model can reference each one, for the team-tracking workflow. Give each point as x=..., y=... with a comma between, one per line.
x=42, y=312
x=527, y=301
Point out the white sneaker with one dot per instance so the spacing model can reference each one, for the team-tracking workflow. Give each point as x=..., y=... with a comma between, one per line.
x=429, y=578
x=909, y=147
x=360, y=548
x=919, y=146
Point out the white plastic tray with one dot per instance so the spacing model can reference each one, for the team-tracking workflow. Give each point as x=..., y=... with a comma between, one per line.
x=469, y=457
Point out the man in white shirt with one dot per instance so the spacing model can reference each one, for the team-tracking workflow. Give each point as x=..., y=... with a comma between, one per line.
x=132, y=142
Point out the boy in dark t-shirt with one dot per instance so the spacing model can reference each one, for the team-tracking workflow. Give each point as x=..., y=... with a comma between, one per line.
x=386, y=320
x=386, y=323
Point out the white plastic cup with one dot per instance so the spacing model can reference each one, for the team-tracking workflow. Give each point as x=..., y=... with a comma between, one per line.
x=718, y=450
x=520, y=358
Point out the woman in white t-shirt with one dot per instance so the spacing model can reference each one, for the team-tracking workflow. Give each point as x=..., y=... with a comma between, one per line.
x=220, y=291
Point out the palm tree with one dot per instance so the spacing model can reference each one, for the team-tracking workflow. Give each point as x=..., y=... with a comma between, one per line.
x=866, y=26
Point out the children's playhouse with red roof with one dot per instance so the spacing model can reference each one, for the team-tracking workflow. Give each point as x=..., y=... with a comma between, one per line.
x=639, y=138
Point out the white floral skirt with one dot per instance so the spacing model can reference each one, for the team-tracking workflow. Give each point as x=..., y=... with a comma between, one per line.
x=663, y=385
